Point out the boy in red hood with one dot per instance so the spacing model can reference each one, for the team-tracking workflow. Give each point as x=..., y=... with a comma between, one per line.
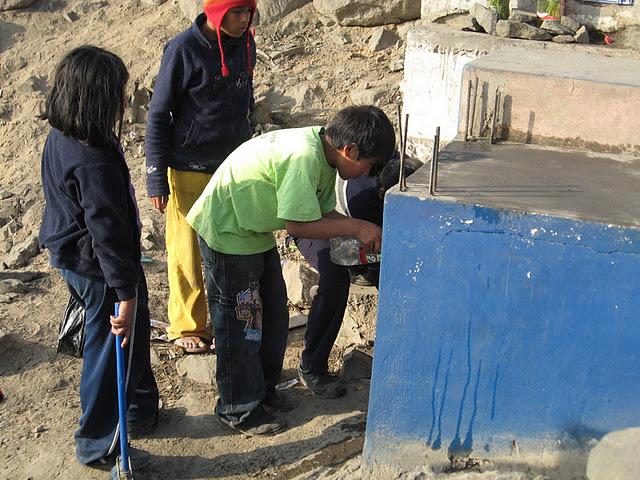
x=197, y=116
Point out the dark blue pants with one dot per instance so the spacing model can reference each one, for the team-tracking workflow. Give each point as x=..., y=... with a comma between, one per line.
x=327, y=309
x=248, y=305
x=98, y=432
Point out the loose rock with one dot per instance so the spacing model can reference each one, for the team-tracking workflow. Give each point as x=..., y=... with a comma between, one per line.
x=582, y=35
x=9, y=210
x=199, y=368
x=339, y=37
x=524, y=17
x=272, y=10
x=356, y=365
x=89, y=6
x=70, y=16
x=261, y=113
x=513, y=29
x=381, y=39
x=299, y=279
x=31, y=84
x=368, y=95
x=570, y=22
x=12, y=286
x=20, y=254
x=21, y=276
x=563, y=39
x=616, y=456
x=554, y=27
x=15, y=4
x=190, y=8
x=486, y=17
x=368, y=13
x=33, y=217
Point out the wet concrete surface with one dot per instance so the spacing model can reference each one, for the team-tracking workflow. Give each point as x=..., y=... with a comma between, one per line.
x=581, y=186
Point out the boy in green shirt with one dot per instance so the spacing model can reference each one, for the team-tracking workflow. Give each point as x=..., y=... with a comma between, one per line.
x=281, y=180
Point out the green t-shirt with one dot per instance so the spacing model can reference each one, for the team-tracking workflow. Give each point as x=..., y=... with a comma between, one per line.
x=281, y=175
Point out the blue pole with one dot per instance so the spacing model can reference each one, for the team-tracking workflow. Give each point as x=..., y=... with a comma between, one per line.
x=122, y=401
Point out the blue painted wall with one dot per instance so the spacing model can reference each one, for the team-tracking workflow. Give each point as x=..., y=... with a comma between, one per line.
x=496, y=326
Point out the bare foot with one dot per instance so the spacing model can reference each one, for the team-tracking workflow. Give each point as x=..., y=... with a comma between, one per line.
x=192, y=344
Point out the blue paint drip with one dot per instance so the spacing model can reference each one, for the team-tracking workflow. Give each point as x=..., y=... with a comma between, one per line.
x=437, y=444
x=433, y=395
x=455, y=443
x=467, y=446
x=495, y=392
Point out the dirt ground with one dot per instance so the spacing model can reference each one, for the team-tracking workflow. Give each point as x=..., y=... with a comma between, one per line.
x=40, y=412
x=41, y=405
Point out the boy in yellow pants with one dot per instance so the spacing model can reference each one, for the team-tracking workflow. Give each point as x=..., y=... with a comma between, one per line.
x=197, y=116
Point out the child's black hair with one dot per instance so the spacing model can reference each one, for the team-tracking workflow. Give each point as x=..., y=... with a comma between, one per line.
x=367, y=127
x=87, y=97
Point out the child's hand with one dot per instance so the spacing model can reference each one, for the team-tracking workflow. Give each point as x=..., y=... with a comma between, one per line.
x=121, y=325
x=370, y=236
x=160, y=202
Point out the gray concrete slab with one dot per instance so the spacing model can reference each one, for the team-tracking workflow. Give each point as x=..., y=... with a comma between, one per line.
x=603, y=189
x=571, y=64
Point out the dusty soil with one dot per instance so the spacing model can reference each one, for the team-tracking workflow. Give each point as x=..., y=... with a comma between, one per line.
x=41, y=405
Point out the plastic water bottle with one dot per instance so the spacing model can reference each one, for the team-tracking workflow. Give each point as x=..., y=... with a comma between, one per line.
x=348, y=252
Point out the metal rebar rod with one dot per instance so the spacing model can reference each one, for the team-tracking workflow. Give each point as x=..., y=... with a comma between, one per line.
x=473, y=107
x=436, y=148
x=432, y=169
x=399, y=107
x=466, y=126
x=402, y=180
x=494, y=119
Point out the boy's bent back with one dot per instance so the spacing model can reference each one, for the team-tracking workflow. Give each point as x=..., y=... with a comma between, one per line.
x=277, y=176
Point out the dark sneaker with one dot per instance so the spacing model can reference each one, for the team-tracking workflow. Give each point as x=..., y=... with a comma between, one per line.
x=276, y=403
x=363, y=280
x=141, y=427
x=259, y=423
x=323, y=385
x=139, y=459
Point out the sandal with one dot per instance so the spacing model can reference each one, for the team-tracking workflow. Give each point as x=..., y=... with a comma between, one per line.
x=192, y=344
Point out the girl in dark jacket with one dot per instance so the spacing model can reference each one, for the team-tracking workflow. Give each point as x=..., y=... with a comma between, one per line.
x=92, y=231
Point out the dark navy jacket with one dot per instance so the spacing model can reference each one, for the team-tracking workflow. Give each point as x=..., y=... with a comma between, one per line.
x=197, y=116
x=90, y=224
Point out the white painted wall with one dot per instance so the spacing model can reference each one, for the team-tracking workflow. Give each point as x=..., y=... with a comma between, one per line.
x=435, y=58
x=607, y=18
x=434, y=9
x=431, y=88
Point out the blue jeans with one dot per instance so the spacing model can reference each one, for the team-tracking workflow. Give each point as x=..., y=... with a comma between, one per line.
x=97, y=436
x=248, y=305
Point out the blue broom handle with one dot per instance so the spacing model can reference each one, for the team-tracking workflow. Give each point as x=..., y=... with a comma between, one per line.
x=122, y=401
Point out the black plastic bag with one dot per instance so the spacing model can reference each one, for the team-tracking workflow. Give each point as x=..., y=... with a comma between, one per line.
x=71, y=333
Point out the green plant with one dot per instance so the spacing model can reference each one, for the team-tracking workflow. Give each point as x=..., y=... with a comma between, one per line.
x=553, y=8
x=502, y=7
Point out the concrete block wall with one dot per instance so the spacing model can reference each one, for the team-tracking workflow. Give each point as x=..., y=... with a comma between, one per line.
x=434, y=9
x=574, y=100
x=508, y=314
x=435, y=59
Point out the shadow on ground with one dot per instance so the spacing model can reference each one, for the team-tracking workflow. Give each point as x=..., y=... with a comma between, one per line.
x=255, y=461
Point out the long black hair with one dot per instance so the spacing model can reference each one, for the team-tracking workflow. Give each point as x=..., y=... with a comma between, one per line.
x=87, y=98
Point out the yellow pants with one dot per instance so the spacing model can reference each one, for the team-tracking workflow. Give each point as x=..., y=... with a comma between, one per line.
x=187, y=307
